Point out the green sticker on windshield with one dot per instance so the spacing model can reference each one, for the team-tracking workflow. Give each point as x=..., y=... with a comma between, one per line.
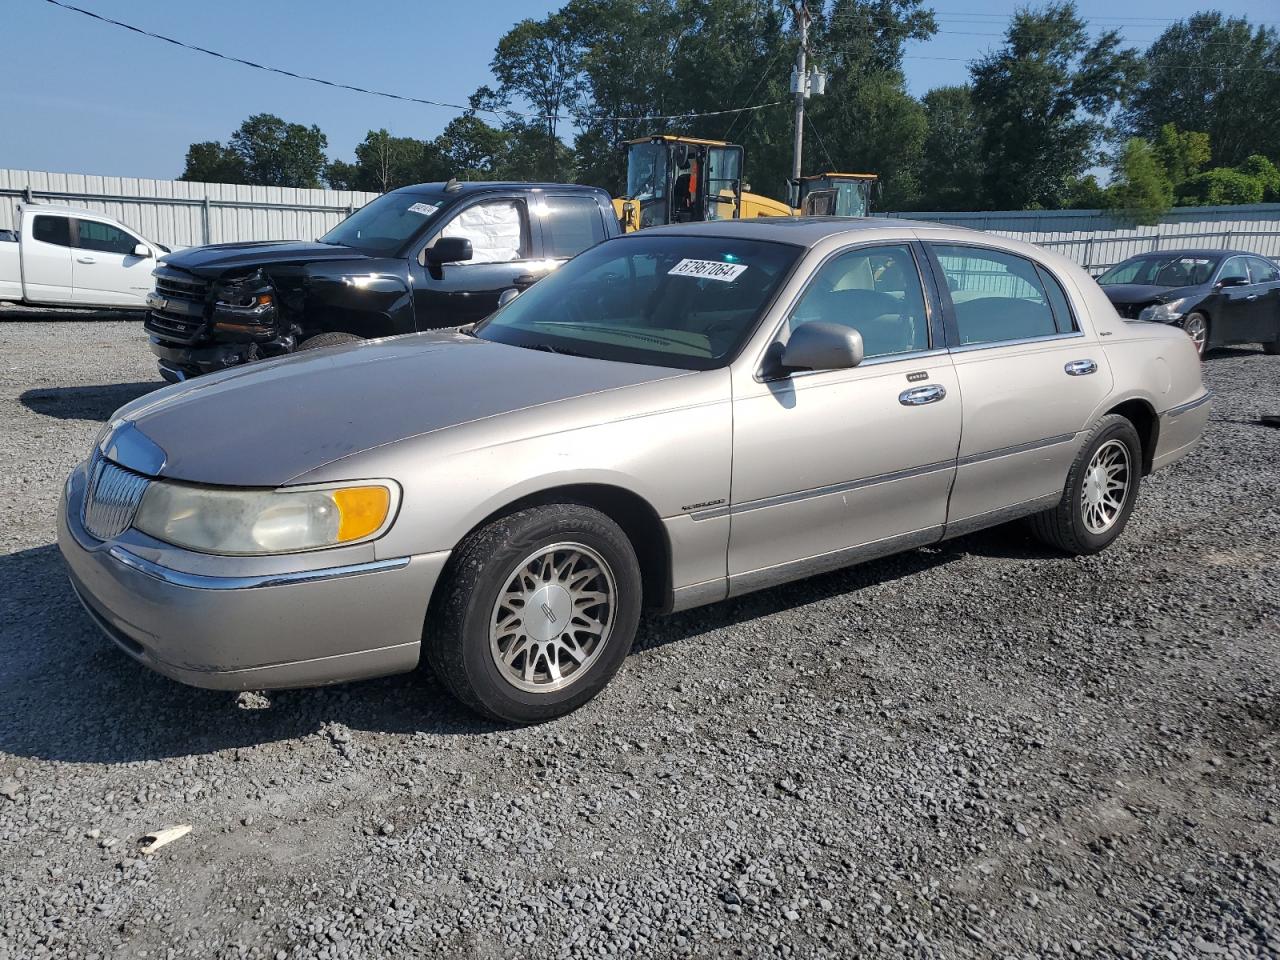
x=709, y=270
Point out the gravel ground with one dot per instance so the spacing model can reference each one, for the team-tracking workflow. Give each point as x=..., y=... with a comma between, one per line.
x=975, y=750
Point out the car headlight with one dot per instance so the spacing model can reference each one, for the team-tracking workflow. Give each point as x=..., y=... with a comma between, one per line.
x=248, y=522
x=1165, y=312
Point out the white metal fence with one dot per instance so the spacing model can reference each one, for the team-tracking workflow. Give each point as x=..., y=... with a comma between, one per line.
x=1096, y=239
x=181, y=214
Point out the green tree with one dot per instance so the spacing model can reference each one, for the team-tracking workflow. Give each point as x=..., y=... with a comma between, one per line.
x=1219, y=187
x=1266, y=173
x=1182, y=154
x=951, y=167
x=280, y=154
x=1217, y=74
x=1042, y=98
x=473, y=148
x=383, y=162
x=1141, y=190
x=539, y=62
x=212, y=162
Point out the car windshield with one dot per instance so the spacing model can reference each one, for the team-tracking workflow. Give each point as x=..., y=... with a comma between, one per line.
x=671, y=301
x=383, y=226
x=1162, y=270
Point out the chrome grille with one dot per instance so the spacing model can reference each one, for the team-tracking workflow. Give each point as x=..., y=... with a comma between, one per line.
x=181, y=288
x=111, y=499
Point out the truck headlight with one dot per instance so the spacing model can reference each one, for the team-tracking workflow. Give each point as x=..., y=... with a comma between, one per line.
x=1165, y=312
x=255, y=522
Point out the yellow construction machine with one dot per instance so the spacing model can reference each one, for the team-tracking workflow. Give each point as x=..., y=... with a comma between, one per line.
x=674, y=179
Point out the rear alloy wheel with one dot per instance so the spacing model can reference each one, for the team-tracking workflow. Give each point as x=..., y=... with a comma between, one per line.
x=1197, y=327
x=538, y=613
x=1100, y=491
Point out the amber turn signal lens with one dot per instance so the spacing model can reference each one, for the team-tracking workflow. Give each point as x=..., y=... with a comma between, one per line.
x=362, y=510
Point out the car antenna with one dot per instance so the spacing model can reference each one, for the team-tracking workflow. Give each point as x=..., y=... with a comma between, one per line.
x=453, y=186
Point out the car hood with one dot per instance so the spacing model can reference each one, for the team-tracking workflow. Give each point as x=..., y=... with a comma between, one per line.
x=267, y=423
x=1123, y=293
x=221, y=258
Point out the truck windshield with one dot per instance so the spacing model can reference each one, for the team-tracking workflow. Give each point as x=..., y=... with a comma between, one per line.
x=669, y=301
x=383, y=226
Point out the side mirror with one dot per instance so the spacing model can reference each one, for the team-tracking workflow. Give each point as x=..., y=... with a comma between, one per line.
x=1232, y=282
x=142, y=250
x=450, y=250
x=823, y=346
x=507, y=296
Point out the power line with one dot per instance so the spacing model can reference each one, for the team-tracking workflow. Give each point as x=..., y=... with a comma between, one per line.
x=397, y=96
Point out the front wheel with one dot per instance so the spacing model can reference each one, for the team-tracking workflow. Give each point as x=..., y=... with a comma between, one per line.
x=539, y=612
x=1100, y=491
x=1197, y=327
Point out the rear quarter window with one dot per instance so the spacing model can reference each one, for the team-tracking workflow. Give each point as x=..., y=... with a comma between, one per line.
x=55, y=230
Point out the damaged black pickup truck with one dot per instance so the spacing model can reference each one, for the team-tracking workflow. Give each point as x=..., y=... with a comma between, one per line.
x=422, y=257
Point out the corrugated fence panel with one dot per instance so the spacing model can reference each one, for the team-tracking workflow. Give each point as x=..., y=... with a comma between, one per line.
x=181, y=214
x=1098, y=238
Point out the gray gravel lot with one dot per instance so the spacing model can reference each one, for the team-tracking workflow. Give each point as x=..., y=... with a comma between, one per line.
x=976, y=750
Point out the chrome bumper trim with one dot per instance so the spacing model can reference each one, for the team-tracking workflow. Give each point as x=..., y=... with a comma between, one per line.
x=198, y=581
x=1189, y=405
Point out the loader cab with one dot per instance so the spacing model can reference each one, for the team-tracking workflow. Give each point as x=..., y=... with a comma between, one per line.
x=837, y=194
x=680, y=180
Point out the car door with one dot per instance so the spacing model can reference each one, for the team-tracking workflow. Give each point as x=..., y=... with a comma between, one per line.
x=568, y=225
x=1030, y=374
x=107, y=271
x=830, y=467
x=1232, y=319
x=46, y=260
x=1265, y=313
x=506, y=255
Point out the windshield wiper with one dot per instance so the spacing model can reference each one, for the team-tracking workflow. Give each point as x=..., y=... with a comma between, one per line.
x=548, y=348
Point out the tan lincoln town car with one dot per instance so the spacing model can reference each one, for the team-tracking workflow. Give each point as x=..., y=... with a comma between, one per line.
x=674, y=417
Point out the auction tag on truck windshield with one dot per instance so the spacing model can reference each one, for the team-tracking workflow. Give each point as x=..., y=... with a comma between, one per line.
x=426, y=209
x=710, y=269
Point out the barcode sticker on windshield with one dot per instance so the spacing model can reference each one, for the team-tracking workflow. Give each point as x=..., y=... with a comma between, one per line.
x=426, y=209
x=710, y=269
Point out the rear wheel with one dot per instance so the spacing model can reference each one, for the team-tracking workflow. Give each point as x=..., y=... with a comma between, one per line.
x=1197, y=327
x=327, y=340
x=539, y=612
x=1100, y=491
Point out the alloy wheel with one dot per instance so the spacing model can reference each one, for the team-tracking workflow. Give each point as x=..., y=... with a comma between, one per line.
x=553, y=617
x=1106, y=485
x=1198, y=330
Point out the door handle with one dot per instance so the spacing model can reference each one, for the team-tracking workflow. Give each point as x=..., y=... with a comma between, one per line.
x=1081, y=368
x=525, y=280
x=85, y=260
x=1251, y=297
x=919, y=396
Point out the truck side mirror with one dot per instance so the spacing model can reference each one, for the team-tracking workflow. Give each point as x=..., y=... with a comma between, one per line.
x=450, y=250
x=141, y=250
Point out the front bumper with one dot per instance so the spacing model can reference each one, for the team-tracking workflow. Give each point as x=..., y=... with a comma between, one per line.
x=178, y=363
x=257, y=629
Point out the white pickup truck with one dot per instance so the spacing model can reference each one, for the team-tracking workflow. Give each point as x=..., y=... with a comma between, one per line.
x=67, y=257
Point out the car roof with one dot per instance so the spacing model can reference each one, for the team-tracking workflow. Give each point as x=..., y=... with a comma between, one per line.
x=1197, y=252
x=802, y=231
x=464, y=187
x=57, y=208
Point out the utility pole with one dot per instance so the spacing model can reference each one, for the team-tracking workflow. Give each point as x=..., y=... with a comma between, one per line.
x=799, y=85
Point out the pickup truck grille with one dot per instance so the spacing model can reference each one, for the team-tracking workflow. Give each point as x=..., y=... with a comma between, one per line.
x=182, y=319
x=112, y=498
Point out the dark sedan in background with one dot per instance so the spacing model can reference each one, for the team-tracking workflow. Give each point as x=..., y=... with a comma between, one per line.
x=1217, y=296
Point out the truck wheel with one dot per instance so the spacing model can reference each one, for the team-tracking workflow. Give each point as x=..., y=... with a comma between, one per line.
x=327, y=340
x=539, y=611
x=1100, y=491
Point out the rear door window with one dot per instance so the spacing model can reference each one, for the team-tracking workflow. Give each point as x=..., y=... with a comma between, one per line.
x=570, y=225
x=103, y=237
x=1263, y=271
x=997, y=296
x=55, y=230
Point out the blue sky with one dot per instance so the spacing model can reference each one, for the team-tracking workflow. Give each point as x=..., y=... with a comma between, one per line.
x=80, y=96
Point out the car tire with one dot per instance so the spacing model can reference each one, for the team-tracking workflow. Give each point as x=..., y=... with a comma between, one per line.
x=327, y=340
x=1196, y=326
x=1089, y=517
x=521, y=670
x=1273, y=348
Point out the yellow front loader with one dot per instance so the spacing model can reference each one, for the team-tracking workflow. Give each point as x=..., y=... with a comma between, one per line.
x=674, y=179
